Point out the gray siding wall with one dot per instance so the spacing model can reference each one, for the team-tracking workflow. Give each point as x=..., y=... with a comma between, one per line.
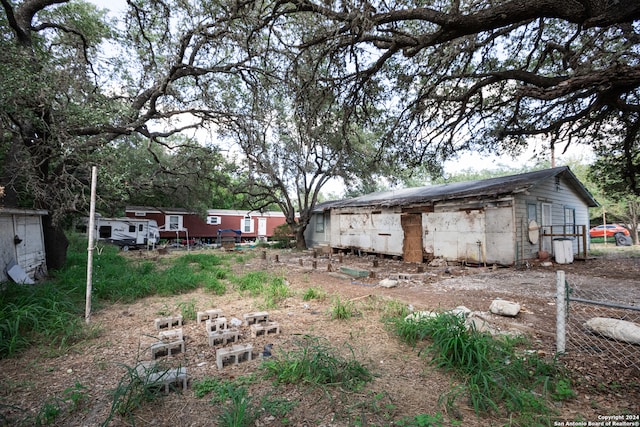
x=562, y=199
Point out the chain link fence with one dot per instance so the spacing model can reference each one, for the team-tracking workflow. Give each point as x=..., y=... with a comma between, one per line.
x=606, y=347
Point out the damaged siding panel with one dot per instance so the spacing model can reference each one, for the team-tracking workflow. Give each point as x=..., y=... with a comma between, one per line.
x=500, y=235
x=454, y=235
x=378, y=232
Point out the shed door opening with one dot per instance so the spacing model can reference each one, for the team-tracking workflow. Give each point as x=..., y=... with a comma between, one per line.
x=412, y=245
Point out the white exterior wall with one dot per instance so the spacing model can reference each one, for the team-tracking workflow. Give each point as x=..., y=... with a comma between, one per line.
x=29, y=253
x=475, y=234
x=378, y=231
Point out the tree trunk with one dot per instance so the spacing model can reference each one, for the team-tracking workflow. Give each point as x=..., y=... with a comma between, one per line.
x=301, y=243
x=55, y=244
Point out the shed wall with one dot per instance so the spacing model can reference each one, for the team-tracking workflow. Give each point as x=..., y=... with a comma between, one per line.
x=29, y=253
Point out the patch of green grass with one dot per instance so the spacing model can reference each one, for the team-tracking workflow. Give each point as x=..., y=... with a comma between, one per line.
x=219, y=387
x=136, y=387
x=315, y=362
x=421, y=420
x=188, y=310
x=342, y=310
x=274, y=289
x=239, y=411
x=71, y=400
x=495, y=373
x=313, y=293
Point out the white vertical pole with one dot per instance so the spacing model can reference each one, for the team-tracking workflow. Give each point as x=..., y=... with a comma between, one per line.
x=560, y=312
x=92, y=220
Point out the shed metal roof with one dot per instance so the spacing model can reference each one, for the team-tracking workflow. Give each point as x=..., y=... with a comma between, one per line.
x=493, y=187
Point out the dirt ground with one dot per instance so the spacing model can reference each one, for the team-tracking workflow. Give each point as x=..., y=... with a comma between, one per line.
x=405, y=383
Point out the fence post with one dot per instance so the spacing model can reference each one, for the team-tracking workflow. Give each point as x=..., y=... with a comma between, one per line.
x=561, y=305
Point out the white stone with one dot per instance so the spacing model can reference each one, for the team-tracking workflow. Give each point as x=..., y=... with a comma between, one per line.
x=620, y=330
x=461, y=311
x=417, y=316
x=388, y=283
x=504, y=308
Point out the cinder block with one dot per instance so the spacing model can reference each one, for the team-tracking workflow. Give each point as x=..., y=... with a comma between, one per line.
x=236, y=353
x=169, y=377
x=253, y=318
x=160, y=348
x=265, y=329
x=171, y=335
x=209, y=314
x=168, y=322
x=214, y=325
x=223, y=337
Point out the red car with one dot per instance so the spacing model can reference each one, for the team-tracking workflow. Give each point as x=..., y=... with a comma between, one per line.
x=610, y=229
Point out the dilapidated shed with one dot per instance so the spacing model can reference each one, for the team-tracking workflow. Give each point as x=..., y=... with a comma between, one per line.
x=22, y=252
x=503, y=220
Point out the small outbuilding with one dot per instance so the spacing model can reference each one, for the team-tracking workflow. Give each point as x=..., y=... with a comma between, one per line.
x=505, y=220
x=22, y=251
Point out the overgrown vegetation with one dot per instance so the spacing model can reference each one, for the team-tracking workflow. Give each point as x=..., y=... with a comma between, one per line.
x=496, y=373
x=52, y=312
x=139, y=384
x=313, y=361
x=274, y=289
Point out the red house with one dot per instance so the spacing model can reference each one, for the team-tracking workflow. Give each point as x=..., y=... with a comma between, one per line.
x=180, y=224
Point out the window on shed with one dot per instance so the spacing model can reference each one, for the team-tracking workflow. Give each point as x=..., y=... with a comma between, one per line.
x=320, y=223
x=532, y=211
x=569, y=220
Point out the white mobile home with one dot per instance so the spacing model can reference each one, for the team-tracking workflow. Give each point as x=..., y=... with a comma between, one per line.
x=128, y=233
x=503, y=220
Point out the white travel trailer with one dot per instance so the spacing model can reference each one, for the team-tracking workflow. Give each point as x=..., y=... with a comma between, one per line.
x=128, y=233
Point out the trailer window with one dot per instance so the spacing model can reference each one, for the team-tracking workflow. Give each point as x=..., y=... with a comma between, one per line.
x=132, y=228
x=140, y=227
x=247, y=225
x=105, y=231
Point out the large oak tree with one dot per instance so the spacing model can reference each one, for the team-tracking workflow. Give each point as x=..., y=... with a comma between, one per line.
x=484, y=74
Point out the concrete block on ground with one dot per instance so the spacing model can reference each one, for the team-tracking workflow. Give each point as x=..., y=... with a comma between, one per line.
x=213, y=313
x=265, y=329
x=171, y=335
x=167, y=378
x=253, y=318
x=214, y=325
x=354, y=272
x=223, y=337
x=235, y=354
x=160, y=348
x=168, y=322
